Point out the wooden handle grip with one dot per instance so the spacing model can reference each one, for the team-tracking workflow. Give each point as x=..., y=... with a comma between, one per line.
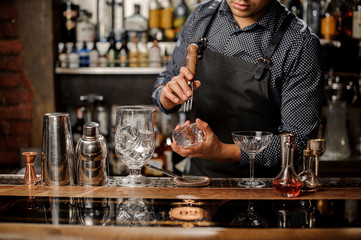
x=192, y=57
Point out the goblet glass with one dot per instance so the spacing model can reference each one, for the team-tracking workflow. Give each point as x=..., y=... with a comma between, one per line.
x=252, y=143
x=134, y=141
x=318, y=147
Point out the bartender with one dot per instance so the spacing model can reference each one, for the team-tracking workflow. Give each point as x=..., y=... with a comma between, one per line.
x=259, y=69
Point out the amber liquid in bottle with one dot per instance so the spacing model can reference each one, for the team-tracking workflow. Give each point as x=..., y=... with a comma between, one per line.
x=287, y=183
x=287, y=188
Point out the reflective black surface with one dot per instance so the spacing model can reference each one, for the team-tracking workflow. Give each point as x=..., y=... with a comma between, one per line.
x=182, y=213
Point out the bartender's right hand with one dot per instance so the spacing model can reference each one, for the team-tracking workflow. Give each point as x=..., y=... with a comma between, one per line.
x=177, y=91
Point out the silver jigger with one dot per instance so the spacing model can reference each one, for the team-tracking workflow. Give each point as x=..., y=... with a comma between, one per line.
x=58, y=150
x=318, y=147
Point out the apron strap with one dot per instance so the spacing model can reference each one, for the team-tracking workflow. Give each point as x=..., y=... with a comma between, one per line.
x=265, y=61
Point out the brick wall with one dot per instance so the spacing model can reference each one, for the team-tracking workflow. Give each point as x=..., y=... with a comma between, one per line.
x=16, y=91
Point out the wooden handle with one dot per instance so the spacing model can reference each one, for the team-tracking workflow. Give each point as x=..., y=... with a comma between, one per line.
x=192, y=57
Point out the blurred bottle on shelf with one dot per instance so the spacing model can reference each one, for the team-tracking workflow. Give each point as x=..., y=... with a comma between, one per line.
x=166, y=20
x=312, y=15
x=143, y=52
x=74, y=57
x=329, y=21
x=69, y=14
x=84, y=28
x=345, y=22
x=94, y=56
x=124, y=51
x=356, y=21
x=154, y=55
x=101, y=116
x=296, y=7
x=155, y=31
x=63, y=57
x=77, y=129
x=136, y=24
x=133, y=52
x=84, y=56
x=180, y=16
x=165, y=58
x=112, y=53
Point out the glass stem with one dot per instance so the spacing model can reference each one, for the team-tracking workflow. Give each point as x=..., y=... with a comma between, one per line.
x=134, y=172
x=251, y=167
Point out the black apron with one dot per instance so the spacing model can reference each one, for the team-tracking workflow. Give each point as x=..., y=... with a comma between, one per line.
x=234, y=96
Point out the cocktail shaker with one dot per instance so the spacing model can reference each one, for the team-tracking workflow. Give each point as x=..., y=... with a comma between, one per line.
x=58, y=150
x=91, y=157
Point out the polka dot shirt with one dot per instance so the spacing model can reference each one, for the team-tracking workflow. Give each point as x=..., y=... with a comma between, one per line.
x=295, y=82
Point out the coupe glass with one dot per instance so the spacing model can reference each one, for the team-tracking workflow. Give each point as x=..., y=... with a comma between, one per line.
x=134, y=141
x=252, y=143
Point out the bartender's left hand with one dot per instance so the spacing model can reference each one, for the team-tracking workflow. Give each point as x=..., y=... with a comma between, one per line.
x=211, y=148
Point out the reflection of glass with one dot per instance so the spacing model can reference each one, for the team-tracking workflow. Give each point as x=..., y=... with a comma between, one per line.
x=307, y=217
x=252, y=143
x=188, y=136
x=59, y=211
x=249, y=219
x=135, y=212
x=93, y=211
x=285, y=211
x=134, y=141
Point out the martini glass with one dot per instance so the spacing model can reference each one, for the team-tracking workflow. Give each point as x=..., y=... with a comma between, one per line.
x=252, y=143
x=134, y=141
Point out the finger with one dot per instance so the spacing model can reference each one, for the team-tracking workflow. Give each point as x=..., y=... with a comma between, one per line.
x=187, y=76
x=203, y=126
x=184, y=71
x=197, y=84
x=168, y=94
x=177, y=86
x=186, y=123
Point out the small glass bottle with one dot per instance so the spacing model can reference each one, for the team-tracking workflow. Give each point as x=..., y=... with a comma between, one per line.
x=73, y=57
x=155, y=57
x=133, y=53
x=84, y=56
x=154, y=19
x=312, y=15
x=91, y=156
x=307, y=176
x=124, y=52
x=356, y=20
x=180, y=15
x=136, y=23
x=94, y=56
x=143, y=52
x=329, y=21
x=287, y=183
x=63, y=57
x=112, y=53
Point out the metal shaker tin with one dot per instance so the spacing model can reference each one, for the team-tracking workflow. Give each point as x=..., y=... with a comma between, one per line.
x=91, y=156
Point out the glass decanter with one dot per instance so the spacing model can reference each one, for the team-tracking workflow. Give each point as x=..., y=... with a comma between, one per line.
x=287, y=183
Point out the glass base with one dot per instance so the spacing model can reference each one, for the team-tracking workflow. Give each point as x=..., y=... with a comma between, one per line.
x=134, y=181
x=251, y=184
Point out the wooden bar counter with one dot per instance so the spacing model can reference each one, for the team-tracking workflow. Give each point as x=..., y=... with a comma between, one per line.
x=50, y=212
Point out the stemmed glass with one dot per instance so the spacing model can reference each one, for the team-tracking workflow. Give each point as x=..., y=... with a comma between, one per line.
x=252, y=143
x=134, y=141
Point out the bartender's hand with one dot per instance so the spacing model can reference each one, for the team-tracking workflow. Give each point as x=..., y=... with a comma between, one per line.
x=177, y=91
x=211, y=148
